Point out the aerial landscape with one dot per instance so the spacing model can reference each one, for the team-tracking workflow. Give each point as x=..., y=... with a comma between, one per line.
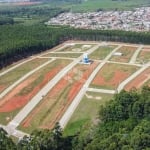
x=74, y=75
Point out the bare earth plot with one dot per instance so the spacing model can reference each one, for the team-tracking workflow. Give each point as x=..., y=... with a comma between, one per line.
x=144, y=56
x=102, y=52
x=22, y=93
x=86, y=112
x=76, y=47
x=7, y=79
x=69, y=55
x=140, y=80
x=111, y=75
x=126, y=51
x=55, y=103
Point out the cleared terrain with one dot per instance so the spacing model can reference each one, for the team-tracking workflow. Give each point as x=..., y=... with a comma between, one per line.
x=50, y=85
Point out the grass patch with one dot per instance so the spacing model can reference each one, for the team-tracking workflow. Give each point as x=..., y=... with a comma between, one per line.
x=147, y=83
x=55, y=103
x=68, y=55
x=127, y=53
x=14, y=139
x=12, y=76
x=111, y=75
x=40, y=75
x=28, y=91
x=86, y=112
x=5, y=117
x=143, y=57
x=93, y=5
x=101, y=52
x=108, y=87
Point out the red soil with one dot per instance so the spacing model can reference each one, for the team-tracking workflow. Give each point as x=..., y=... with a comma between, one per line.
x=118, y=77
x=146, y=49
x=14, y=101
x=2, y=88
x=139, y=80
x=63, y=83
x=51, y=95
x=125, y=57
x=144, y=53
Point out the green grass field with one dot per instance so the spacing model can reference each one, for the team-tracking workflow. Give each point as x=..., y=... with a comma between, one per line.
x=93, y=5
x=28, y=91
x=86, y=112
x=143, y=57
x=12, y=76
x=88, y=5
x=127, y=53
x=101, y=52
x=55, y=103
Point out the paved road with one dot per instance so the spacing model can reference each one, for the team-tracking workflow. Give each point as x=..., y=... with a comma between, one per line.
x=17, y=133
x=39, y=96
x=133, y=58
x=101, y=91
x=57, y=57
x=23, y=78
x=67, y=115
x=122, y=85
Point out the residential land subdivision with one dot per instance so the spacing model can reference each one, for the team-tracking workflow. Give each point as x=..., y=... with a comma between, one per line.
x=55, y=86
x=133, y=20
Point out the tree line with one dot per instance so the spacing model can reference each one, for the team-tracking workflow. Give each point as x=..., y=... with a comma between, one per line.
x=124, y=125
x=19, y=41
x=6, y=20
x=32, y=11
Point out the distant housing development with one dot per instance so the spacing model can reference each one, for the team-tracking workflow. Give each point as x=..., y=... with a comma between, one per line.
x=135, y=20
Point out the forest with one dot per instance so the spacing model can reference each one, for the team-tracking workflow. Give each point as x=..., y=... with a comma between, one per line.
x=18, y=41
x=123, y=125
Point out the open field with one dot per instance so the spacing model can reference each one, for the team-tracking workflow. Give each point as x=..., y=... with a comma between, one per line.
x=111, y=75
x=144, y=56
x=12, y=76
x=140, y=80
x=68, y=55
x=102, y=52
x=93, y=5
x=52, y=107
x=126, y=51
x=86, y=112
x=89, y=5
x=22, y=93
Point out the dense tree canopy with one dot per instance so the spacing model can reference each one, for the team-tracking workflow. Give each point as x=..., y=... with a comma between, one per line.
x=5, y=142
x=19, y=41
x=6, y=20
